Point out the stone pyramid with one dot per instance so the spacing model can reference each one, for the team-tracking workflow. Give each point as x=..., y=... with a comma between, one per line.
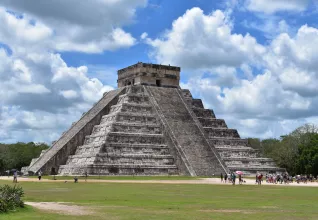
x=150, y=126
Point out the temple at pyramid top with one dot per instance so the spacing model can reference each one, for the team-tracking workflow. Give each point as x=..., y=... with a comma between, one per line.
x=150, y=75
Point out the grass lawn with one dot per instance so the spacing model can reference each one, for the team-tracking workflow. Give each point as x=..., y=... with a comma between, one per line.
x=122, y=177
x=165, y=201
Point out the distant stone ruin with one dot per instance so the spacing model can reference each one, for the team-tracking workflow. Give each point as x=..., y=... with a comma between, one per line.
x=150, y=126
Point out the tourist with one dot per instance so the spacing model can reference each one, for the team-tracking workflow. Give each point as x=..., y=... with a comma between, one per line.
x=15, y=177
x=86, y=175
x=260, y=179
x=40, y=175
x=225, y=177
x=221, y=177
x=233, y=177
x=240, y=179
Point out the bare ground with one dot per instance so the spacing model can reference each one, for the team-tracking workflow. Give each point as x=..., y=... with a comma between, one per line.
x=61, y=208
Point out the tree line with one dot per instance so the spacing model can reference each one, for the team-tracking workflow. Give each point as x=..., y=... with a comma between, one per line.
x=18, y=155
x=297, y=151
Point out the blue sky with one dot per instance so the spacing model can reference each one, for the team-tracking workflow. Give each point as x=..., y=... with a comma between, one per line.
x=253, y=62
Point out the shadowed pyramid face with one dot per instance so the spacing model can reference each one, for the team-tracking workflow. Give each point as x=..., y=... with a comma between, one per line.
x=149, y=74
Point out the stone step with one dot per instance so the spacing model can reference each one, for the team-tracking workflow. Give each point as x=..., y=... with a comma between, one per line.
x=124, y=155
x=234, y=148
x=203, y=113
x=127, y=127
x=120, y=136
x=257, y=159
x=95, y=138
x=121, y=159
x=197, y=103
x=115, y=108
x=129, y=150
x=217, y=141
x=73, y=160
x=136, y=90
x=119, y=169
x=236, y=154
x=129, y=117
x=134, y=138
x=186, y=93
x=133, y=98
x=148, y=146
x=221, y=133
x=126, y=160
x=119, y=123
x=130, y=114
x=102, y=129
x=89, y=148
x=136, y=149
x=137, y=128
x=212, y=122
x=131, y=94
x=254, y=169
x=132, y=107
x=159, y=149
x=250, y=163
x=92, y=145
x=188, y=101
x=150, y=166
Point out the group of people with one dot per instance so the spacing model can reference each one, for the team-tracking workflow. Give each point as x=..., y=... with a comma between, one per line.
x=231, y=178
x=270, y=178
x=285, y=178
x=15, y=176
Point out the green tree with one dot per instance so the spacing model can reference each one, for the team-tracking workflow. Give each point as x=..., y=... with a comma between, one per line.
x=294, y=151
x=307, y=162
x=15, y=156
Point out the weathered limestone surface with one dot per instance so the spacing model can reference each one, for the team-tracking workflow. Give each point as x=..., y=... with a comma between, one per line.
x=196, y=150
x=57, y=155
x=150, y=126
x=127, y=141
x=234, y=151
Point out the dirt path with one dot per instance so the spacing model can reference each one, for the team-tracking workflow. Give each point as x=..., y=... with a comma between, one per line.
x=61, y=208
x=196, y=181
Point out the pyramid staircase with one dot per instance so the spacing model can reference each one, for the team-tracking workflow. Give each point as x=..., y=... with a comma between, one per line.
x=233, y=150
x=128, y=141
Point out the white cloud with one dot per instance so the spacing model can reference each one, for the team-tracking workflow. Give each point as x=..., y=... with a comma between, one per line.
x=294, y=60
x=69, y=94
x=38, y=126
x=91, y=26
x=199, y=41
x=273, y=6
x=269, y=25
x=144, y=35
x=39, y=92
